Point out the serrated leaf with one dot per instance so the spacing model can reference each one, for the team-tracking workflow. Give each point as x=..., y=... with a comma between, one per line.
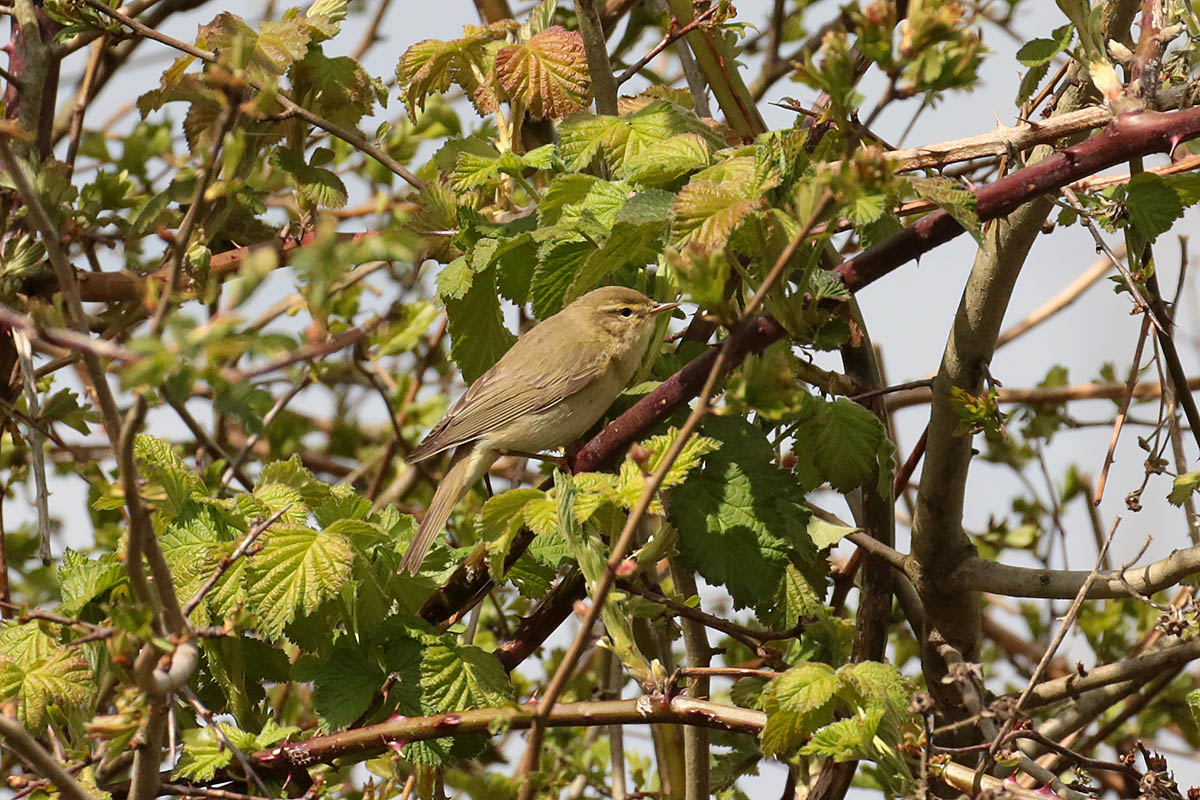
x=741, y=519
x=952, y=198
x=297, y=569
x=844, y=440
x=707, y=212
x=806, y=688
x=1184, y=487
x=82, y=579
x=456, y=678
x=1039, y=52
x=583, y=136
x=1153, y=206
x=455, y=280
x=826, y=534
x=559, y=263
x=632, y=479
x=41, y=676
x=548, y=73
x=846, y=739
x=431, y=65
x=477, y=334
x=668, y=161
x=345, y=683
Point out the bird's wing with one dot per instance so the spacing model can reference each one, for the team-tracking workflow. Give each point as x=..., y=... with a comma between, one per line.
x=515, y=386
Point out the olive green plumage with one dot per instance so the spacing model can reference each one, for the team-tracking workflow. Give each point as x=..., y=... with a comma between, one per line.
x=545, y=392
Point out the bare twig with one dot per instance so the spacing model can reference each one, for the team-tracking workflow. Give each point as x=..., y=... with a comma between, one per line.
x=1123, y=410
x=673, y=34
x=37, y=442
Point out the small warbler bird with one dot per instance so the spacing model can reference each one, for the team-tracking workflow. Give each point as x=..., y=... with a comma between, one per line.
x=550, y=387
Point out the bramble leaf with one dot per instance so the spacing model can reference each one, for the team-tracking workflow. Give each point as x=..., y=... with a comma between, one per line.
x=548, y=73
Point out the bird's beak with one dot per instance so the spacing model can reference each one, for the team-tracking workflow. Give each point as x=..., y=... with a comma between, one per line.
x=661, y=307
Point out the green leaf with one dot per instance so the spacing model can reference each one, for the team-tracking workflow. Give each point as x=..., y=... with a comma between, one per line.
x=559, y=264
x=1153, y=205
x=44, y=678
x=877, y=684
x=846, y=739
x=1183, y=488
x=205, y=751
x=806, y=687
x=548, y=73
x=845, y=438
x=455, y=280
x=663, y=163
x=741, y=519
x=477, y=334
x=345, y=681
x=826, y=534
x=1040, y=52
x=297, y=570
x=952, y=198
x=707, y=212
x=797, y=703
x=456, y=678
x=632, y=478
x=82, y=580
x=568, y=196
x=583, y=136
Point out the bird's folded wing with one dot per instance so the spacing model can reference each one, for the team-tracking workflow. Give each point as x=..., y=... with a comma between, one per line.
x=500, y=396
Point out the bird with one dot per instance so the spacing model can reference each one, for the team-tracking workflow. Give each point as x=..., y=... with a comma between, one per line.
x=553, y=384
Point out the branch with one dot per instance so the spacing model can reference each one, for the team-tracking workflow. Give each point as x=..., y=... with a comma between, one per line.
x=1050, y=395
x=977, y=574
x=1129, y=136
x=1140, y=668
x=648, y=709
x=603, y=85
x=44, y=764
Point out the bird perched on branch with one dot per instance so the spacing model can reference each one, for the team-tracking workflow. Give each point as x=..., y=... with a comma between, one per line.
x=550, y=387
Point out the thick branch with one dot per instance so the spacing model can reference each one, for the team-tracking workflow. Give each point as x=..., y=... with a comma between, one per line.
x=981, y=575
x=1140, y=668
x=648, y=709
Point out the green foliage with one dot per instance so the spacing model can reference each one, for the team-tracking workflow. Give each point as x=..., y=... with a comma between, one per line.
x=872, y=700
x=741, y=519
x=296, y=296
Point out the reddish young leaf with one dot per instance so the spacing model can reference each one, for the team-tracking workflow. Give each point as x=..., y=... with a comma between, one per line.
x=548, y=73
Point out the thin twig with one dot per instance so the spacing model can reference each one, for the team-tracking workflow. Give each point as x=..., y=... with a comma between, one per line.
x=20, y=742
x=1123, y=410
x=178, y=252
x=352, y=138
x=236, y=462
x=207, y=716
x=37, y=442
x=675, y=33
x=371, y=34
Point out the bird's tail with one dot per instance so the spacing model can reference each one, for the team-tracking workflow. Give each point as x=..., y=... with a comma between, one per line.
x=467, y=466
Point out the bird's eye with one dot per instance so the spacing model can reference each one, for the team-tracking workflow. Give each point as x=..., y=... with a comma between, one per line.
x=626, y=312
